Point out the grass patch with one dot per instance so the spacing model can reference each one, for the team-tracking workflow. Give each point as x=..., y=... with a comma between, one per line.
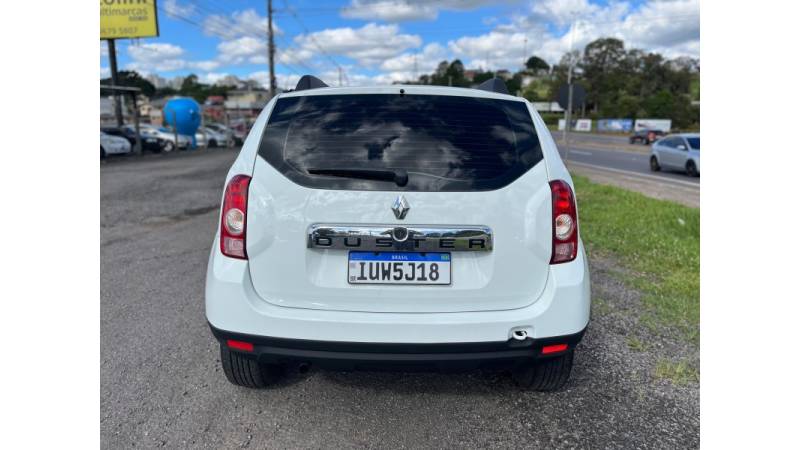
x=656, y=241
x=600, y=306
x=680, y=372
x=636, y=344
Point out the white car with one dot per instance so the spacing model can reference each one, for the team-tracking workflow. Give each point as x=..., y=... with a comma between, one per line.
x=677, y=152
x=403, y=227
x=113, y=145
x=207, y=137
x=230, y=138
x=183, y=141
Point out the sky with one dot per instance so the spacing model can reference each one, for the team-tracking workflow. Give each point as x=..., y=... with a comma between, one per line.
x=373, y=42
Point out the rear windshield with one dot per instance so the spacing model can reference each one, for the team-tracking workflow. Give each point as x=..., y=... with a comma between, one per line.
x=444, y=143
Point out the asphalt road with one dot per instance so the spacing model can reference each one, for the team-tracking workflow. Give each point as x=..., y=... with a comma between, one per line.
x=584, y=150
x=162, y=385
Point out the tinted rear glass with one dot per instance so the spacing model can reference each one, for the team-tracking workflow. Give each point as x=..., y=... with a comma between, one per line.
x=694, y=143
x=445, y=143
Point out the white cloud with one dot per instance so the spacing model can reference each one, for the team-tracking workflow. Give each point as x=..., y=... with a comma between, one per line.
x=174, y=9
x=163, y=57
x=240, y=23
x=245, y=49
x=407, y=10
x=402, y=67
x=105, y=72
x=671, y=28
x=368, y=45
x=212, y=77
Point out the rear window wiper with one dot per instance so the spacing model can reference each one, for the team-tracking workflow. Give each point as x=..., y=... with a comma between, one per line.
x=398, y=176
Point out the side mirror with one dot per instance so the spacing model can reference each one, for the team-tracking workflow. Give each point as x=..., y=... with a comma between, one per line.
x=681, y=147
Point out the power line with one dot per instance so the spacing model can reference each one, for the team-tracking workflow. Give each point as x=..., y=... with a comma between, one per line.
x=310, y=35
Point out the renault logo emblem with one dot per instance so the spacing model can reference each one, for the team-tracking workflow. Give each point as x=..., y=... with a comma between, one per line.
x=400, y=207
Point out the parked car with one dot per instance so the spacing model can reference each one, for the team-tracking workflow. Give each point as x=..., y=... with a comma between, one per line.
x=167, y=135
x=113, y=145
x=677, y=152
x=230, y=137
x=212, y=137
x=645, y=137
x=378, y=232
x=149, y=143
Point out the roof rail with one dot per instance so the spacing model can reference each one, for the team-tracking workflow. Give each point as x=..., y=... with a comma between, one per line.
x=309, y=82
x=493, y=85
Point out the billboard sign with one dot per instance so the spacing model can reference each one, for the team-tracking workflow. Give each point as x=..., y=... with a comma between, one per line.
x=620, y=125
x=653, y=124
x=583, y=125
x=128, y=19
x=577, y=124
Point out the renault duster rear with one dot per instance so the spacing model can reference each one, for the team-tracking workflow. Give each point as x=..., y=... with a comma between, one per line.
x=402, y=227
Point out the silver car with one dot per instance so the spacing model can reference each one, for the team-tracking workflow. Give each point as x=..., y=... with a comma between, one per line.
x=207, y=136
x=677, y=152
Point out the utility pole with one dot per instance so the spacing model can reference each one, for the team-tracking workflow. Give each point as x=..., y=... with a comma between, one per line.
x=568, y=112
x=415, y=67
x=524, y=53
x=112, y=60
x=272, y=85
x=340, y=76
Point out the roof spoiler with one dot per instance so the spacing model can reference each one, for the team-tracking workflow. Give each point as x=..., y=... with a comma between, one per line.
x=493, y=85
x=309, y=82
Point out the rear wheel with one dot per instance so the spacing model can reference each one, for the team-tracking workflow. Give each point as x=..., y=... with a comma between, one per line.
x=691, y=169
x=654, y=166
x=547, y=375
x=169, y=146
x=247, y=372
x=102, y=153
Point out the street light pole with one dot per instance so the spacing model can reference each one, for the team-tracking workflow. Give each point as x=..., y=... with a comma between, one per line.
x=273, y=88
x=112, y=61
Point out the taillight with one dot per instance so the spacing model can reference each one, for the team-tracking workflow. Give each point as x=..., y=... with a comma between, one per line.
x=565, y=223
x=233, y=229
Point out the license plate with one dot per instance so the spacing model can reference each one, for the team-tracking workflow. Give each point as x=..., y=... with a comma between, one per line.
x=398, y=268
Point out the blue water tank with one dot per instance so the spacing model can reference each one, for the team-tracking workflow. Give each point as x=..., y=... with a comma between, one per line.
x=183, y=114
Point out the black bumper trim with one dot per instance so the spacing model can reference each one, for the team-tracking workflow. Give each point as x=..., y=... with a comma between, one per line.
x=360, y=355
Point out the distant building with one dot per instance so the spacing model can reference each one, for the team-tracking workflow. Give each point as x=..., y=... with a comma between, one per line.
x=231, y=80
x=504, y=74
x=177, y=82
x=157, y=81
x=246, y=103
x=214, y=108
x=469, y=74
x=547, y=107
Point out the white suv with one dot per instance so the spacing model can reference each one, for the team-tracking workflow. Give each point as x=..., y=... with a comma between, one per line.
x=409, y=227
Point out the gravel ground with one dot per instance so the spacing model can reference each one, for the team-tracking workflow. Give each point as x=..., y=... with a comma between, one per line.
x=162, y=384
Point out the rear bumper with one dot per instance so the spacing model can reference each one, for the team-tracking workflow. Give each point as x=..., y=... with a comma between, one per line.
x=402, y=356
x=232, y=304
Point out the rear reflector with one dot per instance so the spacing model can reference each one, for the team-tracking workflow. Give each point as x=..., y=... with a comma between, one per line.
x=239, y=345
x=555, y=348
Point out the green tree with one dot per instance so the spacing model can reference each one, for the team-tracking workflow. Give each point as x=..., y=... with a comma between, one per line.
x=534, y=63
x=131, y=78
x=482, y=76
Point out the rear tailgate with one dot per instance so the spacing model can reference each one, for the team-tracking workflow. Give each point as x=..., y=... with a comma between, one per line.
x=455, y=181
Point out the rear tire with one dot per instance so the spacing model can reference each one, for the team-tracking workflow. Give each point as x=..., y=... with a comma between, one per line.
x=247, y=372
x=691, y=169
x=102, y=153
x=169, y=146
x=654, y=166
x=547, y=375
